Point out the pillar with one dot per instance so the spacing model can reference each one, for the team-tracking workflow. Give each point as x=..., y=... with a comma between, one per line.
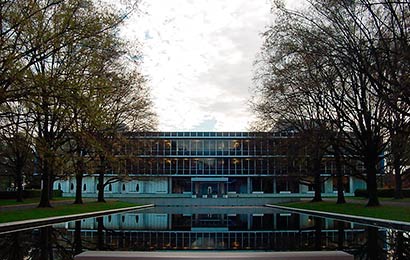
x=249, y=185
x=169, y=185
x=274, y=185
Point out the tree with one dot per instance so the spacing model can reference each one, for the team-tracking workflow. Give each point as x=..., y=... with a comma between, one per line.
x=338, y=40
x=16, y=153
x=291, y=90
x=64, y=81
x=127, y=108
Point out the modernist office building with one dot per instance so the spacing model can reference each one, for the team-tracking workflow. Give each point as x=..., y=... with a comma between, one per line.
x=209, y=165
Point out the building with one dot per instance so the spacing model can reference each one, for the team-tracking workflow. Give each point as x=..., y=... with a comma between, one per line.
x=204, y=165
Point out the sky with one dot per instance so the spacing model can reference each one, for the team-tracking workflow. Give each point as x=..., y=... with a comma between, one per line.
x=198, y=58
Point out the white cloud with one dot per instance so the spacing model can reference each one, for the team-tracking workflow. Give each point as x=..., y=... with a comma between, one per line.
x=198, y=56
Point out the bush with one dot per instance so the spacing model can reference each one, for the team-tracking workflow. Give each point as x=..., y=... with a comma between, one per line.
x=383, y=193
x=57, y=193
x=28, y=194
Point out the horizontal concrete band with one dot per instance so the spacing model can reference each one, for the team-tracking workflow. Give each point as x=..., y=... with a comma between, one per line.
x=313, y=255
x=386, y=223
x=35, y=223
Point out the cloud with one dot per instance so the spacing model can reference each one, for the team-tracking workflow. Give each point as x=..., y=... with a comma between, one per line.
x=198, y=57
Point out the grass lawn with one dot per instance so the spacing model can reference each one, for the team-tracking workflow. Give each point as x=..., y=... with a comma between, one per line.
x=8, y=202
x=381, y=199
x=61, y=210
x=401, y=213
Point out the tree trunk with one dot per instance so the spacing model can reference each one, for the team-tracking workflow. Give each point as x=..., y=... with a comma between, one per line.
x=78, y=248
x=45, y=190
x=100, y=185
x=46, y=252
x=373, y=249
x=19, y=182
x=340, y=235
x=318, y=233
x=78, y=188
x=340, y=189
x=372, y=186
x=317, y=182
x=100, y=233
x=398, y=192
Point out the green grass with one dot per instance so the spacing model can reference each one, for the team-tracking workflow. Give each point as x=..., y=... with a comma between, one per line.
x=10, y=202
x=401, y=213
x=61, y=210
x=381, y=199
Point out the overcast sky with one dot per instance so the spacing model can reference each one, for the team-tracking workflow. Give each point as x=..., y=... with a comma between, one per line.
x=198, y=57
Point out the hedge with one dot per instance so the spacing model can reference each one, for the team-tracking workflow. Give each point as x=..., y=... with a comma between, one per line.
x=385, y=193
x=27, y=194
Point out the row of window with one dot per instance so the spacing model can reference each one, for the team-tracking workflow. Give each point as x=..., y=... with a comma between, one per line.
x=208, y=134
x=219, y=166
x=109, y=187
x=194, y=147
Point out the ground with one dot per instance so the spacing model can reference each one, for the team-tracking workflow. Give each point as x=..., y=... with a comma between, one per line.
x=19, y=212
x=390, y=208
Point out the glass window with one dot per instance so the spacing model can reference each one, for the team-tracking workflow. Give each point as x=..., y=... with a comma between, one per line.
x=212, y=147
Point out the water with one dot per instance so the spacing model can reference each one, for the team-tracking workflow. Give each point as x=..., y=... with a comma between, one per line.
x=199, y=228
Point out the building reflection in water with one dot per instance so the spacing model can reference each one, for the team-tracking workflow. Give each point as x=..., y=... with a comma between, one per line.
x=205, y=230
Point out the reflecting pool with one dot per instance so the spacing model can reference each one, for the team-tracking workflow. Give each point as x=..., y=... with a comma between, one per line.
x=200, y=228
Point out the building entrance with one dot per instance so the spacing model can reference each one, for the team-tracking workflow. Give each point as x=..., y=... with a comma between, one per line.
x=209, y=187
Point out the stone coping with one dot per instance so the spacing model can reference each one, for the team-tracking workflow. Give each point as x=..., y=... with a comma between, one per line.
x=35, y=223
x=386, y=223
x=119, y=255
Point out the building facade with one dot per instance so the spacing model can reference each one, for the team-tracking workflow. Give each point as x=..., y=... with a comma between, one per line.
x=211, y=165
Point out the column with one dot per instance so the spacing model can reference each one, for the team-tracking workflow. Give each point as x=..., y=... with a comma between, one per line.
x=274, y=185
x=169, y=185
x=351, y=184
x=249, y=185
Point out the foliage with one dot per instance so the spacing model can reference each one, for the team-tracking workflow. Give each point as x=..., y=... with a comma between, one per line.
x=72, y=78
x=330, y=66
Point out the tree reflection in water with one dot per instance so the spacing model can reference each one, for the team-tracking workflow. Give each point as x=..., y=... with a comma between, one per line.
x=68, y=240
x=15, y=246
x=77, y=243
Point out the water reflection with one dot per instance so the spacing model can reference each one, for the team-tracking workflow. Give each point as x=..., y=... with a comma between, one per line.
x=205, y=229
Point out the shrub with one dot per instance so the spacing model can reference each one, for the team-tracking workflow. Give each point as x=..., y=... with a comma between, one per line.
x=34, y=193
x=384, y=193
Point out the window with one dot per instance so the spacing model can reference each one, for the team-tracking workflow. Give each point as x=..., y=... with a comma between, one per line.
x=137, y=188
x=109, y=187
x=59, y=186
x=72, y=186
x=85, y=187
x=137, y=218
